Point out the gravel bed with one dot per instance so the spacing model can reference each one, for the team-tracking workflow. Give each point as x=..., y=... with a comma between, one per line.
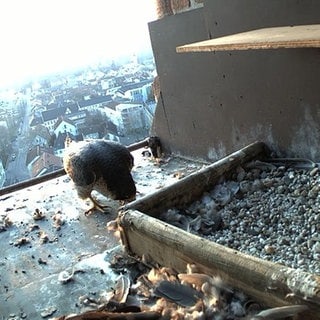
x=268, y=210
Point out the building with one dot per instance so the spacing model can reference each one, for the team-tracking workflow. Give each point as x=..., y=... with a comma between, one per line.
x=59, y=142
x=40, y=136
x=78, y=117
x=33, y=155
x=95, y=131
x=137, y=92
x=51, y=116
x=93, y=104
x=65, y=125
x=132, y=118
x=47, y=162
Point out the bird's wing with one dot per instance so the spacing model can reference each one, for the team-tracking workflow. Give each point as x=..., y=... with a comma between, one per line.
x=120, y=184
x=79, y=170
x=115, y=170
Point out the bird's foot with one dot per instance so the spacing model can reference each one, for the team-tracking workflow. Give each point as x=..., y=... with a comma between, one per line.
x=87, y=213
x=96, y=207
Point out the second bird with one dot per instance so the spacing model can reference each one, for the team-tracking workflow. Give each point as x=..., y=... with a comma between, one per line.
x=100, y=165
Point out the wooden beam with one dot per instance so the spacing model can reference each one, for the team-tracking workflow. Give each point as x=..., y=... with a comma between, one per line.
x=303, y=36
x=269, y=283
x=186, y=190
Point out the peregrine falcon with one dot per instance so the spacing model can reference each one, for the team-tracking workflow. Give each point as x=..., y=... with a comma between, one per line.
x=100, y=165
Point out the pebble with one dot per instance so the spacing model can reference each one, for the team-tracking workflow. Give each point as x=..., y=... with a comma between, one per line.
x=314, y=171
x=271, y=213
x=316, y=247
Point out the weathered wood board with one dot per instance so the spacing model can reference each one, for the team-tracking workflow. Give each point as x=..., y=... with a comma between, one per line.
x=304, y=36
x=271, y=284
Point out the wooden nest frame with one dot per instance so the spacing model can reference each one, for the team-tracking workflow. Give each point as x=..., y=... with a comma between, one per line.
x=144, y=235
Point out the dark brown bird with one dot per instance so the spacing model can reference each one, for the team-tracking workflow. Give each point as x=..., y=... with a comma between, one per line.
x=100, y=165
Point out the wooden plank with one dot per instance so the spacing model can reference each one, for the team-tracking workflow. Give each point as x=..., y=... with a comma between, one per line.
x=184, y=191
x=303, y=36
x=268, y=283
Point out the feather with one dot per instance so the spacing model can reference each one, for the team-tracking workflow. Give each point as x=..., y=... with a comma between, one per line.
x=280, y=312
x=180, y=294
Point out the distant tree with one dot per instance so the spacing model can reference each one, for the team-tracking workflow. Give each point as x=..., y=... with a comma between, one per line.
x=52, y=140
x=12, y=126
x=95, y=118
x=5, y=146
x=40, y=130
x=95, y=121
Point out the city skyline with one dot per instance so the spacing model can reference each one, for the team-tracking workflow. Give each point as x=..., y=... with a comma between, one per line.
x=43, y=37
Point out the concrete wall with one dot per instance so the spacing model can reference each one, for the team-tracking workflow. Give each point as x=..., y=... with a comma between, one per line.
x=214, y=103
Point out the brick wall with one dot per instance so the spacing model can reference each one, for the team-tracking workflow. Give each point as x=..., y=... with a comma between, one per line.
x=170, y=7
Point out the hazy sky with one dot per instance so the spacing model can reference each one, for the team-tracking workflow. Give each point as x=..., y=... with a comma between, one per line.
x=42, y=36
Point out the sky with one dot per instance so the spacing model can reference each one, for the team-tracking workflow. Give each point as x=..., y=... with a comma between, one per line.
x=46, y=36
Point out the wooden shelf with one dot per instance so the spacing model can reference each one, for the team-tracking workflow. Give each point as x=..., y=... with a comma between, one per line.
x=303, y=36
